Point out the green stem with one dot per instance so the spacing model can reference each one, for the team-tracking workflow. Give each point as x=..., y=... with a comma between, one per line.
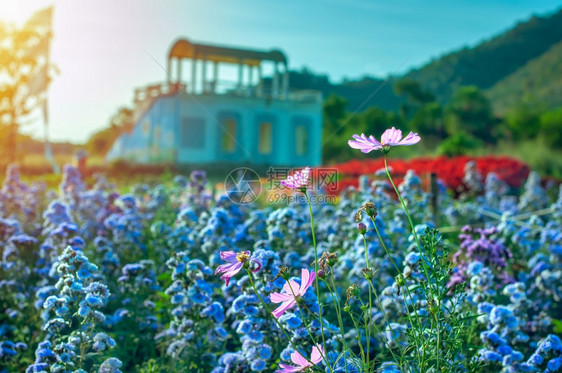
x=424, y=265
x=399, y=361
x=316, y=285
x=370, y=282
x=405, y=286
x=370, y=314
x=334, y=295
x=358, y=335
x=422, y=259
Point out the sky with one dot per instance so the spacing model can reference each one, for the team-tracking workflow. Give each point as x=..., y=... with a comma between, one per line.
x=104, y=49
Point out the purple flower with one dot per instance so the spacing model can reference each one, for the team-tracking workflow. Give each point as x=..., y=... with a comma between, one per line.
x=235, y=262
x=292, y=291
x=299, y=180
x=390, y=137
x=301, y=362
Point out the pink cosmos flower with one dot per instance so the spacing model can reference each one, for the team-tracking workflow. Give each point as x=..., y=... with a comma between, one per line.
x=302, y=363
x=292, y=291
x=390, y=137
x=235, y=262
x=298, y=180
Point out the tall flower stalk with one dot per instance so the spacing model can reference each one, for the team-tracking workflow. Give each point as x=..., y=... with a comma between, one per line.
x=393, y=137
x=299, y=181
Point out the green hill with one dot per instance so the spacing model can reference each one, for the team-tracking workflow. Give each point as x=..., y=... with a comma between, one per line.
x=538, y=84
x=360, y=94
x=525, y=61
x=493, y=60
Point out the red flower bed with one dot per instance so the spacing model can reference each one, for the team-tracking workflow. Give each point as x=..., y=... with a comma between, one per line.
x=449, y=170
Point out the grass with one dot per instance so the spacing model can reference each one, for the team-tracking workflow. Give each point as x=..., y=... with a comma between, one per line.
x=542, y=159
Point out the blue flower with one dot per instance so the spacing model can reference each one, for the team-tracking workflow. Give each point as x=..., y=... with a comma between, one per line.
x=256, y=336
x=264, y=351
x=535, y=359
x=258, y=365
x=555, y=364
x=244, y=327
x=491, y=356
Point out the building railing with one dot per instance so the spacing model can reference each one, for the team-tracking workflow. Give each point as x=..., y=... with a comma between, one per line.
x=144, y=96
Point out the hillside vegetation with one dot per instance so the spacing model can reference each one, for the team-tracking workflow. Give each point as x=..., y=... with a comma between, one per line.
x=538, y=84
x=523, y=62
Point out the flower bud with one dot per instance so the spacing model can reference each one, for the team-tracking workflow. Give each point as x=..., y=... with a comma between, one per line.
x=362, y=228
x=352, y=291
x=407, y=271
x=433, y=306
x=332, y=259
x=284, y=273
x=368, y=273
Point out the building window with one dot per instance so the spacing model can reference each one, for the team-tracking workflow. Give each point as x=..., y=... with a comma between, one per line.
x=265, y=144
x=301, y=140
x=228, y=144
x=192, y=133
x=146, y=128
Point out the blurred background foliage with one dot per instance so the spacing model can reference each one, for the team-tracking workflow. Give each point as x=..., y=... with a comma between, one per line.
x=502, y=96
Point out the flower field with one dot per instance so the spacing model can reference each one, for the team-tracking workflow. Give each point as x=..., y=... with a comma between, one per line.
x=167, y=279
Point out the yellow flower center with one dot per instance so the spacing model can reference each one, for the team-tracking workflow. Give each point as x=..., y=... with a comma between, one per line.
x=242, y=257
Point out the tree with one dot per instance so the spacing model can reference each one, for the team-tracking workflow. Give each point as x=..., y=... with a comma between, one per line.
x=23, y=78
x=460, y=143
x=524, y=122
x=421, y=111
x=470, y=111
x=100, y=141
x=428, y=119
x=334, y=123
x=413, y=91
x=551, y=128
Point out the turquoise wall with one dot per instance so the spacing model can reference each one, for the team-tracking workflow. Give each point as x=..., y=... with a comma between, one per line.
x=181, y=130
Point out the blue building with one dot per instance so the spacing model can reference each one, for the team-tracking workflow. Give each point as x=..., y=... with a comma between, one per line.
x=206, y=120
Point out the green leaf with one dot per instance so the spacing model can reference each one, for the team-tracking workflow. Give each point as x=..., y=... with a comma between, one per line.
x=557, y=326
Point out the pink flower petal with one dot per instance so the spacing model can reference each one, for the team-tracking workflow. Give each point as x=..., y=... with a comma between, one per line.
x=228, y=256
x=283, y=307
x=300, y=360
x=317, y=353
x=410, y=139
x=364, y=144
x=305, y=285
x=224, y=268
x=298, y=180
x=234, y=269
x=391, y=136
x=288, y=369
x=280, y=297
x=291, y=287
x=305, y=276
